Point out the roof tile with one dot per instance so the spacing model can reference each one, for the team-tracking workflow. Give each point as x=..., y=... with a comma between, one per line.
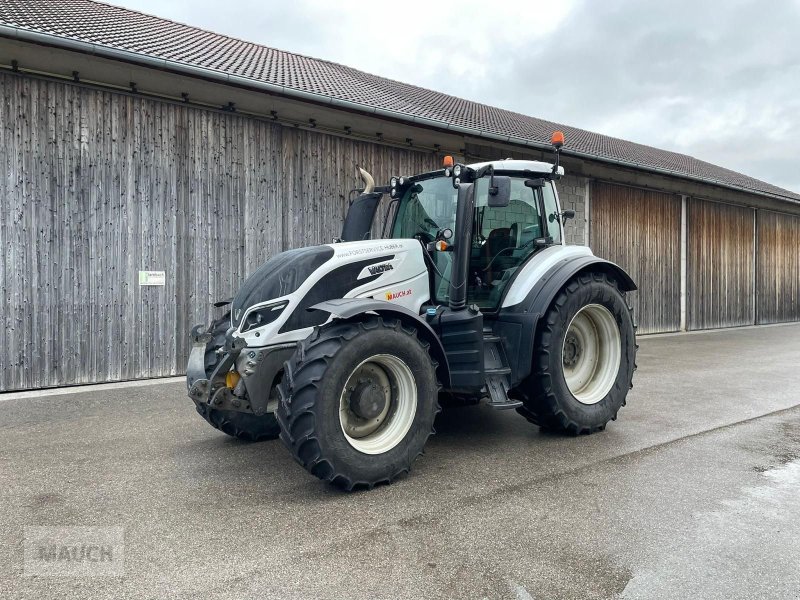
x=124, y=29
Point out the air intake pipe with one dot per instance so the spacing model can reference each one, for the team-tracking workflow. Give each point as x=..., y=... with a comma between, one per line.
x=463, y=246
x=358, y=220
x=369, y=182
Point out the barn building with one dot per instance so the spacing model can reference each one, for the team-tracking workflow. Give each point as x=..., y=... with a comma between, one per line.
x=148, y=167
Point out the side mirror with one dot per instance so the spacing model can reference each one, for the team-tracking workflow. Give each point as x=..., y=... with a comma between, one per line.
x=499, y=192
x=567, y=214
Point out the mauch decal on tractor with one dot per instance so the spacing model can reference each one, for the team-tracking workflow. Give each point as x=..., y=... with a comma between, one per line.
x=346, y=350
x=396, y=295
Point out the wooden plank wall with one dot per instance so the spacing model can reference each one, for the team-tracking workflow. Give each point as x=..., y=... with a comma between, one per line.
x=719, y=265
x=97, y=185
x=640, y=231
x=778, y=273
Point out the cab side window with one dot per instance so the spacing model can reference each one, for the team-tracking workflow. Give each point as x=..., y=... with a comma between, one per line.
x=551, y=210
x=503, y=238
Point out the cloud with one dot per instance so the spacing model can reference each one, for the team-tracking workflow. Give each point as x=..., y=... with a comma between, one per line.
x=717, y=81
x=722, y=85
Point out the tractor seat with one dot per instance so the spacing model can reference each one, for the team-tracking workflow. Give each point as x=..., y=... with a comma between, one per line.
x=499, y=239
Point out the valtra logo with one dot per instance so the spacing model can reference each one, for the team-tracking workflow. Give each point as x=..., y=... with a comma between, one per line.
x=377, y=269
x=396, y=295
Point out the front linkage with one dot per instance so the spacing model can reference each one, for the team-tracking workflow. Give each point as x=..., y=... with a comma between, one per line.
x=208, y=384
x=225, y=375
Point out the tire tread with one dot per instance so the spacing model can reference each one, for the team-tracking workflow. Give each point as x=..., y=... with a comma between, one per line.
x=298, y=393
x=543, y=407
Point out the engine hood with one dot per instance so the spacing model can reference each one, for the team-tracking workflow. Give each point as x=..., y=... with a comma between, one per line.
x=279, y=276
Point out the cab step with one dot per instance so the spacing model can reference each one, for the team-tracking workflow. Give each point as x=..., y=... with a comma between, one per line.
x=495, y=367
x=507, y=405
x=497, y=386
x=497, y=371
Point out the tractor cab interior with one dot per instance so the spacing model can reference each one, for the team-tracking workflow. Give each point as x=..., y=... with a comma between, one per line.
x=503, y=238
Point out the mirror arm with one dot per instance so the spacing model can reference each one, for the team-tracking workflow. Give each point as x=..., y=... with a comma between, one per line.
x=492, y=186
x=482, y=172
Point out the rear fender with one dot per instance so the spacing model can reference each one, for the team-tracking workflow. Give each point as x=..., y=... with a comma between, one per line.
x=520, y=321
x=543, y=292
x=351, y=308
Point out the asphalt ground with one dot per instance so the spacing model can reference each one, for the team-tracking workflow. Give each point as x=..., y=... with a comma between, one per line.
x=693, y=493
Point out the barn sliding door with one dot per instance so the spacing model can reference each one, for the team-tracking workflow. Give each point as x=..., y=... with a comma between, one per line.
x=640, y=230
x=720, y=265
x=778, y=273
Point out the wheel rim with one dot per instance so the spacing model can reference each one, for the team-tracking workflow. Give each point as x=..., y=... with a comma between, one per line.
x=378, y=404
x=591, y=353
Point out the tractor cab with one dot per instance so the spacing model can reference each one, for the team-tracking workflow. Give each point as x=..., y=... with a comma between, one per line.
x=514, y=214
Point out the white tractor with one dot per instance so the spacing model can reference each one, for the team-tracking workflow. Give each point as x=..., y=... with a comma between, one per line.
x=345, y=350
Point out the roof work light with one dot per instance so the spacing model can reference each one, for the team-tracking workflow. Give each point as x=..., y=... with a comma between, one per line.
x=557, y=139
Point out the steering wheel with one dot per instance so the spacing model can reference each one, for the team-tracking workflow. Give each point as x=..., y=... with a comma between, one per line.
x=431, y=222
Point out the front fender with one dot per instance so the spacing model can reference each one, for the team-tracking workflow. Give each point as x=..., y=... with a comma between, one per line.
x=349, y=308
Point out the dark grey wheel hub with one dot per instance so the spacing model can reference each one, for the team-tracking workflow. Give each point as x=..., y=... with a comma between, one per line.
x=367, y=400
x=572, y=350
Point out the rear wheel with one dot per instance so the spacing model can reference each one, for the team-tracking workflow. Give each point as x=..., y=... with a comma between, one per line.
x=244, y=426
x=358, y=400
x=584, y=358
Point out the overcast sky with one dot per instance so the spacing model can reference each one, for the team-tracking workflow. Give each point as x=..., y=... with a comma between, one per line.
x=720, y=83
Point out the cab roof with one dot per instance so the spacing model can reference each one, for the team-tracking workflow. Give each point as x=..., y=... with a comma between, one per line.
x=509, y=164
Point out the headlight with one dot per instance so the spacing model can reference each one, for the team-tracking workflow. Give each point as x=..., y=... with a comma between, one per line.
x=262, y=315
x=457, y=170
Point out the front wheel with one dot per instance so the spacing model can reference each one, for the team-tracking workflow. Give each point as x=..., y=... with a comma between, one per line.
x=584, y=358
x=358, y=400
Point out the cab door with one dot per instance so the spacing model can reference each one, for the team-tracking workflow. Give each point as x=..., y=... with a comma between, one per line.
x=505, y=237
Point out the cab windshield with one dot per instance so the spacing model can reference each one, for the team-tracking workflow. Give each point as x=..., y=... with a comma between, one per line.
x=502, y=238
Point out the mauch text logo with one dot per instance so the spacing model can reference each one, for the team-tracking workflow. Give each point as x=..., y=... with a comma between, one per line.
x=74, y=552
x=378, y=269
x=396, y=295
x=90, y=553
